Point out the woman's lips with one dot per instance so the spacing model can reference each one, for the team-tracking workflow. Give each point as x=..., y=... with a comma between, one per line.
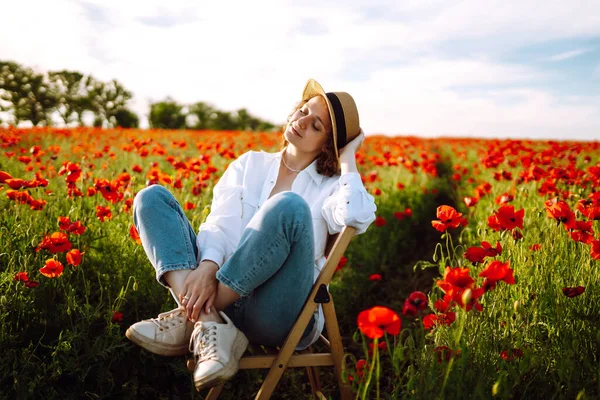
x=296, y=132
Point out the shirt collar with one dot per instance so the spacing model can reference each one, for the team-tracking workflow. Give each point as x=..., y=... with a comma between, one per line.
x=311, y=169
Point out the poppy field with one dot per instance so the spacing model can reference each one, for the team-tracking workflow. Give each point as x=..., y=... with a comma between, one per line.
x=480, y=277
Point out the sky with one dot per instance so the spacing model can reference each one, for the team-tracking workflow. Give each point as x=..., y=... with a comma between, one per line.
x=431, y=68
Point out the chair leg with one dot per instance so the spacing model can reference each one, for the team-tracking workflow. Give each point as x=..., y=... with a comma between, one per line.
x=313, y=375
x=313, y=378
x=214, y=392
x=337, y=349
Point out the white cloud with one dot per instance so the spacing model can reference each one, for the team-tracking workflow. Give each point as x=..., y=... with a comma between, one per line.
x=569, y=54
x=259, y=54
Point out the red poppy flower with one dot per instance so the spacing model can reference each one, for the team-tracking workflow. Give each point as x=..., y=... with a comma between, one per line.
x=57, y=242
x=4, y=176
x=573, y=291
x=508, y=219
x=189, y=205
x=595, y=249
x=443, y=319
x=380, y=221
x=31, y=284
x=476, y=254
x=498, y=271
x=374, y=321
x=375, y=277
x=415, y=302
x=455, y=278
x=108, y=189
x=133, y=232
x=21, y=277
x=582, y=232
x=448, y=217
x=470, y=201
x=117, y=317
x=74, y=257
x=399, y=215
x=72, y=170
x=492, y=251
x=535, y=247
x=15, y=183
x=561, y=212
x=589, y=207
x=52, y=269
x=103, y=213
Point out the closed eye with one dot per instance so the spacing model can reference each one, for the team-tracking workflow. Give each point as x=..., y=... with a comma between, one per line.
x=314, y=125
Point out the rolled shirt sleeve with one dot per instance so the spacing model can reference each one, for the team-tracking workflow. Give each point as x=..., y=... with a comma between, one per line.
x=349, y=205
x=219, y=234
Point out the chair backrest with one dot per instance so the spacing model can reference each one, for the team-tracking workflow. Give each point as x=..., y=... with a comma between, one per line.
x=330, y=242
x=335, y=248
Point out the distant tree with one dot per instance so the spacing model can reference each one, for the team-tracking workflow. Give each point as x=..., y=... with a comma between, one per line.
x=27, y=92
x=167, y=114
x=126, y=118
x=222, y=120
x=202, y=112
x=106, y=100
x=70, y=90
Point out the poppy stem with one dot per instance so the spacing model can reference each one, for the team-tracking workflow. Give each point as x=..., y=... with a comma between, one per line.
x=377, y=370
x=368, y=382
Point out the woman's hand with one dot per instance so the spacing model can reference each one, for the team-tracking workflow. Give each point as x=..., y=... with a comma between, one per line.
x=350, y=149
x=200, y=289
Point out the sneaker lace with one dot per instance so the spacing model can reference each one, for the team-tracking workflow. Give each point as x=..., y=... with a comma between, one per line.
x=204, y=342
x=167, y=319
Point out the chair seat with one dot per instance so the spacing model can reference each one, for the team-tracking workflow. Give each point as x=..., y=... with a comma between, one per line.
x=260, y=356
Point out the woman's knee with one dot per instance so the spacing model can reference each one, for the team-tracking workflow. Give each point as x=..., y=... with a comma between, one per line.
x=292, y=203
x=151, y=197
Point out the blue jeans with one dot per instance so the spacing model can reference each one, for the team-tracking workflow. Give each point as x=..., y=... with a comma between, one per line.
x=272, y=268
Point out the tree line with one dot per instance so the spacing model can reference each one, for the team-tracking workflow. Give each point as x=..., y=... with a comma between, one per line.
x=27, y=95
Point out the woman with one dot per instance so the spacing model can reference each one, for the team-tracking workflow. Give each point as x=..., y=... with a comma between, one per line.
x=246, y=275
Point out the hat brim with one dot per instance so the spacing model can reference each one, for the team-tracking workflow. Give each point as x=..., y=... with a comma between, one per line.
x=312, y=89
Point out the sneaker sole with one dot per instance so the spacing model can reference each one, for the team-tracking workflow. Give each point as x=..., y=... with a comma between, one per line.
x=229, y=370
x=155, y=347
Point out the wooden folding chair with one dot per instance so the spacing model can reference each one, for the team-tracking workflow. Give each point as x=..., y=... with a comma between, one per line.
x=279, y=359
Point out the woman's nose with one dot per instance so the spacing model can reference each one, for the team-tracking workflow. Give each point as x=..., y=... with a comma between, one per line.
x=302, y=122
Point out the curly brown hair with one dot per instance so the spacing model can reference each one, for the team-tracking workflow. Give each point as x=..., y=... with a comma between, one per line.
x=327, y=163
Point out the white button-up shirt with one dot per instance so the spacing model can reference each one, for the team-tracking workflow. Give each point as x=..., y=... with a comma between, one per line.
x=247, y=183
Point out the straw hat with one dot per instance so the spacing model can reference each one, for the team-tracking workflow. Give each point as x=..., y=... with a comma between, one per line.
x=343, y=112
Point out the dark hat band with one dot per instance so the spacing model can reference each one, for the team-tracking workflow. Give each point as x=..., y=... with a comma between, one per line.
x=340, y=120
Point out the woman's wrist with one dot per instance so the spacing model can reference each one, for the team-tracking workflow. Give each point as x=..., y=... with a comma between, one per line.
x=348, y=163
x=208, y=263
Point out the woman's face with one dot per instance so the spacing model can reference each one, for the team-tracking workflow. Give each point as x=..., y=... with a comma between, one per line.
x=310, y=126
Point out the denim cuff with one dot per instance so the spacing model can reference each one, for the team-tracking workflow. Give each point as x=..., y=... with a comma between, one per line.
x=160, y=271
x=231, y=285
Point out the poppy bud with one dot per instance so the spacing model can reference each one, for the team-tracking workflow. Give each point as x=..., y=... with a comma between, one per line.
x=466, y=297
x=495, y=388
x=518, y=307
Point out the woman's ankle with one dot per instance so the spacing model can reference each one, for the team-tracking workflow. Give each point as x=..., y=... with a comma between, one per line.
x=212, y=316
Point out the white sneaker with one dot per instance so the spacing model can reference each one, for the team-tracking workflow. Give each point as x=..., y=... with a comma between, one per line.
x=168, y=334
x=217, y=351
